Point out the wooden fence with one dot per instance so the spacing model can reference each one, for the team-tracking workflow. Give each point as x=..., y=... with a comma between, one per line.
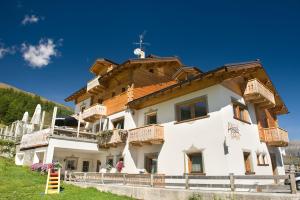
x=257, y=183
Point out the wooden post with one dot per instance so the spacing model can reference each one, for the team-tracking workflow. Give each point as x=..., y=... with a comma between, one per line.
x=84, y=176
x=151, y=180
x=232, y=182
x=53, y=119
x=187, y=181
x=66, y=175
x=102, y=178
x=292, y=180
x=124, y=179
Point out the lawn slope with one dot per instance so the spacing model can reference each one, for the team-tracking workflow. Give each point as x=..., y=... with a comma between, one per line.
x=19, y=183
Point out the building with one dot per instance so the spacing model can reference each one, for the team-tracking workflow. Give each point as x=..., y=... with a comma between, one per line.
x=161, y=116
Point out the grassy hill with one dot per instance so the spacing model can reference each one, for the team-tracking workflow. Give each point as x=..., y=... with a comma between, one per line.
x=21, y=183
x=14, y=102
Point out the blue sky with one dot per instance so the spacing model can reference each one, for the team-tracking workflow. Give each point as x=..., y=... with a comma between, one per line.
x=47, y=47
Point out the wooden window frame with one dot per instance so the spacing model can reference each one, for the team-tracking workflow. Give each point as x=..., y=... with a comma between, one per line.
x=237, y=107
x=151, y=113
x=191, y=104
x=251, y=172
x=189, y=163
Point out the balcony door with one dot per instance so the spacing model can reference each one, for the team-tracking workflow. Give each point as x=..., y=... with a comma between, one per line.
x=247, y=162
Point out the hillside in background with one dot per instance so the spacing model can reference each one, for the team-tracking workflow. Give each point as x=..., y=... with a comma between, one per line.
x=14, y=102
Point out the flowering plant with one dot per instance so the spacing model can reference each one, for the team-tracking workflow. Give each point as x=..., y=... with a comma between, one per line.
x=43, y=168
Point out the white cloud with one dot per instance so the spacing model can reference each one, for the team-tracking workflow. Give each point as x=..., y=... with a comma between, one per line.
x=30, y=19
x=40, y=55
x=6, y=50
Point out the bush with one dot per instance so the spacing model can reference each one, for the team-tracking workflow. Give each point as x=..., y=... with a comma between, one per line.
x=43, y=168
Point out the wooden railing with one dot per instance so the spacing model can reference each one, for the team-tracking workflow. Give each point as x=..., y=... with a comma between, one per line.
x=94, y=112
x=153, y=134
x=231, y=182
x=72, y=133
x=258, y=93
x=276, y=137
x=112, y=139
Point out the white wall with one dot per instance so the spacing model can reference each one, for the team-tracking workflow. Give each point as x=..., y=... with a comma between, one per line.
x=86, y=102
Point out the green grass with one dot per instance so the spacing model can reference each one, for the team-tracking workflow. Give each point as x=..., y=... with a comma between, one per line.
x=19, y=183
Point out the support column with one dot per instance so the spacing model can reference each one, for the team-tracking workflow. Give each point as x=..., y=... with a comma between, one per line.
x=53, y=120
x=49, y=154
x=78, y=125
x=43, y=119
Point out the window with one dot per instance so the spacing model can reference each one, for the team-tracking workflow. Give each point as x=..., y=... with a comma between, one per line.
x=123, y=89
x=71, y=164
x=110, y=161
x=85, y=166
x=262, y=160
x=151, y=70
x=195, y=163
x=240, y=111
x=192, y=109
x=151, y=163
x=82, y=108
x=113, y=94
x=100, y=101
x=151, y=118
x=118, y=123
x=247, y=162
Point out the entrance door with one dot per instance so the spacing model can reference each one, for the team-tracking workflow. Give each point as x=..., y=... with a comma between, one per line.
x=274, y=164
x=151, y=163
x=247, y=161
x=85, y=166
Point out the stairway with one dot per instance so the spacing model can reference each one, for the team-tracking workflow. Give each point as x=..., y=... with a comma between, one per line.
x=53, y=181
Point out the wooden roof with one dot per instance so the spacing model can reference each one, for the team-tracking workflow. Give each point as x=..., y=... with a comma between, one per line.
x=76, y=94
x=100, y=63
x=213, y=77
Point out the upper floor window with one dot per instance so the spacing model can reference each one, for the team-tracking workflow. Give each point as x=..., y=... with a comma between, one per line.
x=240, y=111
x=123, y=89
x=113, y=94
x=118, y=123
x=151, y=118
x=195, y=163
x=82, y=108
x=151, y=70
x=100, y=101
x=192, y=109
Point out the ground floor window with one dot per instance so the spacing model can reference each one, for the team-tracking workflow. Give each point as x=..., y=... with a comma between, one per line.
x=151, y=163
x=71, y=163
x=247, y=162
x=85, y=166
x=195, y=163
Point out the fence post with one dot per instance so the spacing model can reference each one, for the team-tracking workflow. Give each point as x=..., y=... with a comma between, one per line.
x=84, y=176
x=66, y=175
x=151, y=180
x=124, y=179
x=187, y=181
x=102, y=177
x=231, y=177
x=292, y=180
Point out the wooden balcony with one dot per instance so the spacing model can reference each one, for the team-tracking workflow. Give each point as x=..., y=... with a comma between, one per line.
x=94, y=87
x=259, y=94
x=94, y=113
x=151, y=134
x=111, y=138
x=276, y=137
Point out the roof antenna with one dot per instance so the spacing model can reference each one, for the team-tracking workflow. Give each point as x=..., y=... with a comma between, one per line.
x=140, y=52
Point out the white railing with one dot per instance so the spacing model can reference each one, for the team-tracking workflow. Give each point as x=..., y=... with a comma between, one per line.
x=93, y=83
x=255, y=87
x=150, y=133
x=95, y=110
x=276, y=136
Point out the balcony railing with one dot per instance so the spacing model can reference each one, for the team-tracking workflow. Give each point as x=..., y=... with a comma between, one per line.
x=113, y=138
x=151, y=134
x=259, y=94
x=94, y=113
x=276, y=136
x=93, y=86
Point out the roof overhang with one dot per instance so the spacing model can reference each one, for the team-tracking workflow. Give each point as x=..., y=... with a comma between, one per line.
x=76, y=94
x=100, y=64
x=247, y=69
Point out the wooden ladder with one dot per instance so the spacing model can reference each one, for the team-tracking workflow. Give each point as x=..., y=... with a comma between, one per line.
x=53, y=182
